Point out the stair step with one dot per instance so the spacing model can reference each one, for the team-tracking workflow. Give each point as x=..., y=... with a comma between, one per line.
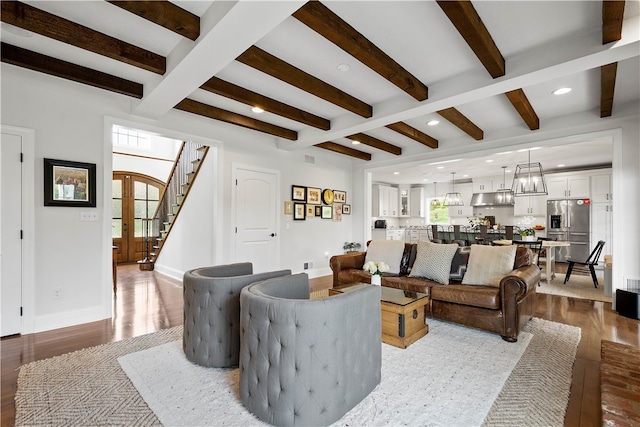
x=190, y=177
x=180, y=198
x=185, y=188
x=175, y=208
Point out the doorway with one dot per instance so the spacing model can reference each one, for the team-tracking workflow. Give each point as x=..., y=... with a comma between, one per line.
x=135, y=197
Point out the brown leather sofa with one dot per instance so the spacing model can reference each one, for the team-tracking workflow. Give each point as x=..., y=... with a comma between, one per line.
x=504, y=309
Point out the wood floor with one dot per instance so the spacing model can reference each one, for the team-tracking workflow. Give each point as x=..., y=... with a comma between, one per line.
x=147, y=302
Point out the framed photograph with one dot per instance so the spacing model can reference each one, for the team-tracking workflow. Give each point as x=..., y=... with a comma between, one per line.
x=337, y=212
x=298, y=193
x=339, y=196
x=299, y=211
x=288, y=207
x=318, y=211
x=346, y=209
x=327, y=212
x=314, y=196
x=68, y=183
x=311, y=211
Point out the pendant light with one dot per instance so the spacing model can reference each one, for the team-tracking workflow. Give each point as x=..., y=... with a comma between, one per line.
x=453, y=198
x=504, y=196
x=528, y=180
x=435, y=202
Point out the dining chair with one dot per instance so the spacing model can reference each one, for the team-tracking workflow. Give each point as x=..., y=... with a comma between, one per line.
x=590, y=263
x=536, y=248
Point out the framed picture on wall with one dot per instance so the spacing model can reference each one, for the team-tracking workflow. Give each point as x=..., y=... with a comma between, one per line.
x=299, y=211
x=288, y=207
x=339, y=196
x=298, y=193
x=337, y=212
x=327, y=212
x=68, y=183
x=311, y=211
x=346, y=209
x=318, y=211
x=314, y=196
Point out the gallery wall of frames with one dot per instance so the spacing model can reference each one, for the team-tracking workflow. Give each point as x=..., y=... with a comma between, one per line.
x=315, y=202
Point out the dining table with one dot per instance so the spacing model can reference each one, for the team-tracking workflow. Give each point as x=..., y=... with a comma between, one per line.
x=548, y=245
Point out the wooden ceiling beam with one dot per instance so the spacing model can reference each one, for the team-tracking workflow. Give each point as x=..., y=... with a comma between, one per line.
x=347, y=151
x=522, y=105
x=66, y=70
x=262, y=61
x=52, y=26
x=376, y=143
x=216, y=113
x=461, y=121
x=413, y=133
x=165, y=14
x=612, y=16
x=465, y=18
x=240, y=94
x=607, y=88
x=322, y=20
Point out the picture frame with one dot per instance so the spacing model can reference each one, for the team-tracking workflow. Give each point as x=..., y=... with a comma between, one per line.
x=298, y=193
x=311, y=211
x=327, y=212
x=288, y=207
x=314, y=195
x=318, y=211
x=339, y=196
x=299, y=211
x=337, y=212
x=346, y=209
x=69, y=183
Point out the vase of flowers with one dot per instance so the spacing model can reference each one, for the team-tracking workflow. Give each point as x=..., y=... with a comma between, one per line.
x=376, y=269
x=528, y=235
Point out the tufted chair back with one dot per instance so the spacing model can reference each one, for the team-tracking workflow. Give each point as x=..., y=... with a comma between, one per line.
x=211, y=334
x=307, y=362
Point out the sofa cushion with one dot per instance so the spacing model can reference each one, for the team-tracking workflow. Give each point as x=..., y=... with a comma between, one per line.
x=355, y=275
x=389, y=251
x=409, y=284
x=459, y=264
x=408, y=258
x=489, y=264
x=433, y=261
x=524, y=257
x=476, y=296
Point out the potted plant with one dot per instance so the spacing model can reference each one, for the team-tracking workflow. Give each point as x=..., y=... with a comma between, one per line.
x=528, y=234
x=351, y=246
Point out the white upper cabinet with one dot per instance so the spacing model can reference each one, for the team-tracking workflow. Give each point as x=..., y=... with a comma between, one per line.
x=560, y=187
x=416, y=202
x=466, y=191
x=601, y=188
x=530, y=205
x=404, y=197
x=482, y=186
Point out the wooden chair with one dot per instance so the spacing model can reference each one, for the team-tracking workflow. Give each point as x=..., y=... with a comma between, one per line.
x=589, y=262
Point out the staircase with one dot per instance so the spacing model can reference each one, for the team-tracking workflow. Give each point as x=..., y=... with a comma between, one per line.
x=181, y=179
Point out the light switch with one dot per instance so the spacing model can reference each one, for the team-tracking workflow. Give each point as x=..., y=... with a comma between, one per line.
x=88, y=216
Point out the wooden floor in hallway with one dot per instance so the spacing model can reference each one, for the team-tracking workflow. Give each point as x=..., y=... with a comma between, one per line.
x=147, y=301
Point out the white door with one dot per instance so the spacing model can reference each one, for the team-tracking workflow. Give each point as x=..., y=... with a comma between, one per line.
x=10, y=234
x=256, y=214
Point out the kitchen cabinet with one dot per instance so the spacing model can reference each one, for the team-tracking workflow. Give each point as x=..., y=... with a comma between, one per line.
x=393, y=201
x=530, y=205
x=502, y=184
x=572, y=186
x=482, y=186
x=601, y=226
x=413, y=235
x=404, y=196
x=601, y=189
x=395, y=234
x=384, y=200
x=466, y=191
x=416, y=202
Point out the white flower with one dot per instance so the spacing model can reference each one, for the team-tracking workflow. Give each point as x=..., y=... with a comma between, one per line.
x=378, y=267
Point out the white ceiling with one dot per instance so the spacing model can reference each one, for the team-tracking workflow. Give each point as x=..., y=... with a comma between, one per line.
x=546, y=45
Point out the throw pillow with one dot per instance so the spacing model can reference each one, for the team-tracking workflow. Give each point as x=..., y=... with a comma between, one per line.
x=408, y=258
x=389, y=251
x=433, y=261
x=489, y=264
x=459, y=264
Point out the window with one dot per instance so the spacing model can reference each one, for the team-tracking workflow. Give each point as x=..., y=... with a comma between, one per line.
x=438, y=214
x=124, y=137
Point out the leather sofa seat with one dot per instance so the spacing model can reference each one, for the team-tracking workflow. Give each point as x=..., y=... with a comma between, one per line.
x=477, y=296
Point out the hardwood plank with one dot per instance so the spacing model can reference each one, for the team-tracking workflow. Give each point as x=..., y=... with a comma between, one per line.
x=216, y=113
x=322, y=20
x=45, y=64
x=341, y=149
x=612, y=15
x=522, y=105
x=240, y=94
x=413, y=133
x=165, y=14
x=376, y=143
x=52, y=26
x=462, y=122
x=465, y=18
x=263, y=61
x=607, y=88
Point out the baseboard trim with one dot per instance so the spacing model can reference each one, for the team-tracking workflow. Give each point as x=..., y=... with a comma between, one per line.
x=68, y=318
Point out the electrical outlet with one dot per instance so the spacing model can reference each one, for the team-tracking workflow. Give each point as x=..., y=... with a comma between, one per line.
x=308, y=265
x=57, y=293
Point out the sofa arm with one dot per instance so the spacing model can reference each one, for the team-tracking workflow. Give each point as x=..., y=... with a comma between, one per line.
x=515, y=286
x=344, y=261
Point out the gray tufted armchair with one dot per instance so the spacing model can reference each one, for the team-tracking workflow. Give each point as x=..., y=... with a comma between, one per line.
x=211, y=334
x=307, y=362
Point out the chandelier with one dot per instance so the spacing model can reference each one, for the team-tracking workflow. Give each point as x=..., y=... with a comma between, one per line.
x=528, y=179
x=453, y=198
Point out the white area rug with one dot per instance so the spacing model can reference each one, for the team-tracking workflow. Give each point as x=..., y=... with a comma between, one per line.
x=579, y=286
x=450, y=377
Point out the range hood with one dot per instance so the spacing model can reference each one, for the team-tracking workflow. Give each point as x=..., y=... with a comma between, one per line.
x=490, y=199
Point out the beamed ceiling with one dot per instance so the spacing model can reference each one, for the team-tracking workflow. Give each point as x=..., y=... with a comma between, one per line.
x=328, y=73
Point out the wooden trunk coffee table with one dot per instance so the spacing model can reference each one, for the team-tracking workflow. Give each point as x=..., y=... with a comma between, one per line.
x=403, y=314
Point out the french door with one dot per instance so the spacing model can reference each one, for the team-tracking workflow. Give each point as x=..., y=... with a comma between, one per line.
x=134, y=197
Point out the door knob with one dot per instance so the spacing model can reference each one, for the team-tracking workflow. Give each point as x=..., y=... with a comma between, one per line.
x=273, y=234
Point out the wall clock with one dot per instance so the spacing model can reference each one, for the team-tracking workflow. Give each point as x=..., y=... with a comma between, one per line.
x=327, y=196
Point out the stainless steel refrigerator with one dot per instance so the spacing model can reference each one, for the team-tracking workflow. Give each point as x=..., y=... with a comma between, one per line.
x=570, y=220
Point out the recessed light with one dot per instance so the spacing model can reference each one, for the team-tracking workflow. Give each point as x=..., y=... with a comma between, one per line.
x=396, y=173
x=425, y=180
x=433, y=122
x=508, y=170
x=440, y=167
x=561, y=165
x=504, y=152
x=465, y=176
x=354, y=142
x=343, y=67
x=489, y=161
x=257, y=110
x=561, y=91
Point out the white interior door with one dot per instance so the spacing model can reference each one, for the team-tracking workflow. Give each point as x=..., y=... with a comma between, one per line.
x=256, y=228
x=10, y=234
